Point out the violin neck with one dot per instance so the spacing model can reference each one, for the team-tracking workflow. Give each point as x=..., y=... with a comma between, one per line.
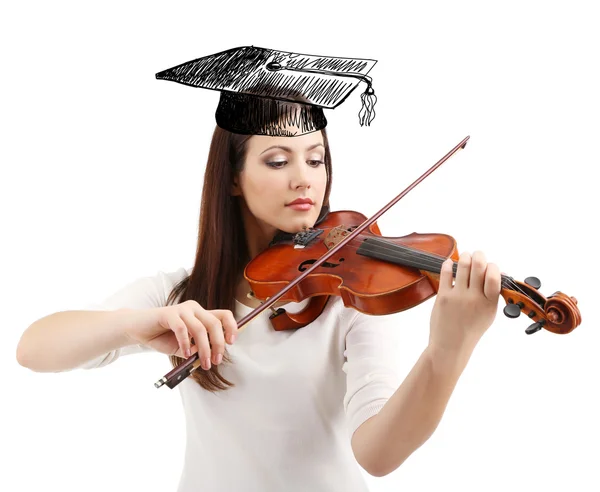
x=390, y=252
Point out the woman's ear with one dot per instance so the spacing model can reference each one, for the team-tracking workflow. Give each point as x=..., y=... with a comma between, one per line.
x=235, y=187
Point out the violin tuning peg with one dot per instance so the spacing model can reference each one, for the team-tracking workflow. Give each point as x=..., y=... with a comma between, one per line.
x=535, y=327
x=513, y=310
x=533, y=282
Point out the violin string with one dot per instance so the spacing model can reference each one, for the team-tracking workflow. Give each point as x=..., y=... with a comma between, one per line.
x=427, y=260
x=417, y=258
x=430, y=259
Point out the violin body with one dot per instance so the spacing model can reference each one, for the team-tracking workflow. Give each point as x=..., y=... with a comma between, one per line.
x=379, y=275
x=365, y=283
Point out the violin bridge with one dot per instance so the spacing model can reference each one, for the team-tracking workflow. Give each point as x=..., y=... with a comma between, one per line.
x=337, y=234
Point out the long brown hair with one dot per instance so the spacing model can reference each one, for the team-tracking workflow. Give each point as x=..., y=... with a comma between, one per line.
x=221, y=252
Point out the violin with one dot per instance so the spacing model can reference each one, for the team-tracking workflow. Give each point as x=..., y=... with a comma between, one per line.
x=347, y=256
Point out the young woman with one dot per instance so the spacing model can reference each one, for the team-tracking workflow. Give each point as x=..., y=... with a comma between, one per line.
x=277, y=410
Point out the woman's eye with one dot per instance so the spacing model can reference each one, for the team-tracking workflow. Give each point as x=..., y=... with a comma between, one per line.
x=280, y=164
x=276, y=164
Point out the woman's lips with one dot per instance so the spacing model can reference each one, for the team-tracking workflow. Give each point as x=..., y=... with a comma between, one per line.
x=300, y=206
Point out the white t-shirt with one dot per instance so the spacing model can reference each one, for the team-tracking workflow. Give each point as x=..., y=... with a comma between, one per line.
x=299, y=396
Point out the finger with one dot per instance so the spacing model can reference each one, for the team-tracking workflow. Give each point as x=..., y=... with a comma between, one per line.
x=478, y=266
x=229, y=323
x=491, y=288
x=199, y=331
x=215, y=334
x=180, y=353
x=463, y=271
x=179, y=328
x=446, y=276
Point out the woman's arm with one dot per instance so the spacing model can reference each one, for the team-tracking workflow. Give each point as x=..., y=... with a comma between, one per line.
x=383, y=442
x=64, y=340
x=463, y=311
x=69, y=339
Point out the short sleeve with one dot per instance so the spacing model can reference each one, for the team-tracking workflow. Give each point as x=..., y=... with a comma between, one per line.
x=370, y=365
x=143, y=293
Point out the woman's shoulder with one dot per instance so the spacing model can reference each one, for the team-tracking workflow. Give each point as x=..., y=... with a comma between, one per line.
x=167, y=280
x=146, y=291
x=173, y=277
x=163, y=280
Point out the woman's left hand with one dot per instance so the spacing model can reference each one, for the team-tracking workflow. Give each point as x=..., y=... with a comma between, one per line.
x=464, y=311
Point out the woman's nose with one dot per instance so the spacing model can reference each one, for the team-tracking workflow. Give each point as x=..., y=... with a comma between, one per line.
x=300, y=177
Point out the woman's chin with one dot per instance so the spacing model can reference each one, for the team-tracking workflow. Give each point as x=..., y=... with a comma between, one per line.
x=296, y=225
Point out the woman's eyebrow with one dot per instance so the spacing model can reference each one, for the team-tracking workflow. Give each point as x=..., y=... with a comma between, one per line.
x=287, y=149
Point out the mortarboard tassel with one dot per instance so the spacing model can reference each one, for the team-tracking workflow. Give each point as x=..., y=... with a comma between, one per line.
x=367, y=112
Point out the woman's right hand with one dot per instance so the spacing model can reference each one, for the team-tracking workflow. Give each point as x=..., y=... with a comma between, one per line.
x=168, y=330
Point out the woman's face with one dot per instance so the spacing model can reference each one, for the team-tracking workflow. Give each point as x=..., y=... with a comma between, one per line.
x=279, y=170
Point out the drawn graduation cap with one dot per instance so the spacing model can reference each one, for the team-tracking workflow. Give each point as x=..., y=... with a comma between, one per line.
x=269, y=92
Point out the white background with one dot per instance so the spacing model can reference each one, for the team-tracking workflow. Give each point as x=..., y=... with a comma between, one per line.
x=102, y=169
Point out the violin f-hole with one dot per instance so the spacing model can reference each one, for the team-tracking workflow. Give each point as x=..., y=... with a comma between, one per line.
x=325, y=264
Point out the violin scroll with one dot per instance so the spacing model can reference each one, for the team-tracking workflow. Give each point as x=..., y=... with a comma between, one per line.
x=557, y=313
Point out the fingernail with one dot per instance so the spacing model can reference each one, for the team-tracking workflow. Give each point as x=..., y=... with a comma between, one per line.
x=219, y=358
x=207, y=363
x=187, y=353
x=233, y=337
